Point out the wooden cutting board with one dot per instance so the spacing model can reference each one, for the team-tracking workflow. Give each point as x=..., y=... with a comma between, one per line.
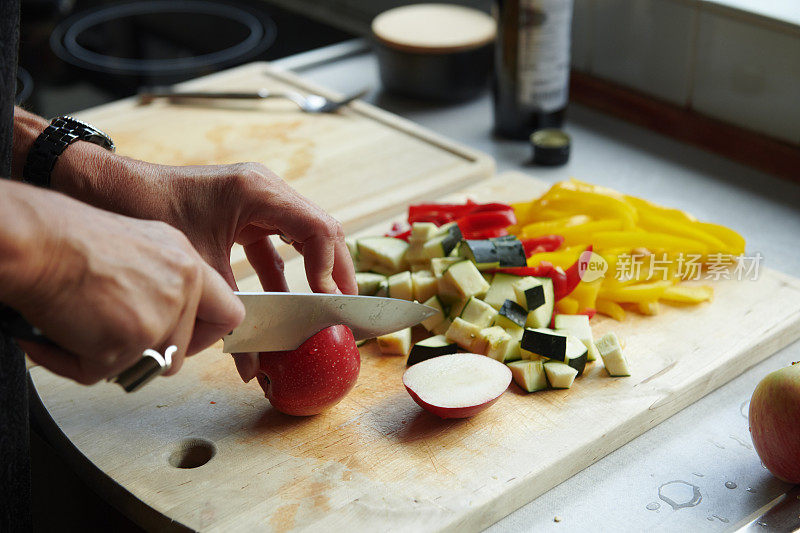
x=377, y=462
x=359, y=164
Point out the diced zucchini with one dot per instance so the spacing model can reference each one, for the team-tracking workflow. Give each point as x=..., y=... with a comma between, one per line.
x=545, y=343
x=464, y=334
x=495, y=342
x=577, y=354
x=362, y=342
x=442, y=327
x=397, y=343
x=478, y=312
x=424, y=284
x=500, y=290
x=400, y=286
x=541, y=316
x=352, y=248
x=444, y=242
x=510, y=252
x=415, y=254
x=481, y=252
x=529, y=292
x=465, y=279
x=614, y=360
x=529, y=375
x=430, y=348
x=432, y=321
x=511, y=312
x=578, y=325
x=422, y=231
x=559, y=375
x=383, y=289
x=440, y=264
x=386, y=254
x=513, y=351
x=368, y=282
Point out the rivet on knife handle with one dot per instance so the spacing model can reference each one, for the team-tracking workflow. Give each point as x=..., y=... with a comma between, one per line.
x=151, y=364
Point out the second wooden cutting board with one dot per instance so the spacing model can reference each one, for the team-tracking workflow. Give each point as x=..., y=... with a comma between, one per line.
x=376, y=461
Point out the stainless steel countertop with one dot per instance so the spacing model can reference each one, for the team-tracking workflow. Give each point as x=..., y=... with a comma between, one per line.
x=706, y=445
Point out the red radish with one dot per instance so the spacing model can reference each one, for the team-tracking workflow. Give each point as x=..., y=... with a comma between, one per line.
x=775, y=422
x=313, y=377
x=458, y=385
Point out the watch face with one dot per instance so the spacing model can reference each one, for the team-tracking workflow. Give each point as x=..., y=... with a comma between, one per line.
x=89, y=133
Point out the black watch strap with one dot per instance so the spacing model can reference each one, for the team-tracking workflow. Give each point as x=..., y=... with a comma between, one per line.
x=52, y=142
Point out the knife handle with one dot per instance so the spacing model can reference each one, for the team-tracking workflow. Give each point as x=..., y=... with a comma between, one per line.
x=135, y=377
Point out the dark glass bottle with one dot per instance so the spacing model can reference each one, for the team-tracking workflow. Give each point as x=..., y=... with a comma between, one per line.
x=531, y=81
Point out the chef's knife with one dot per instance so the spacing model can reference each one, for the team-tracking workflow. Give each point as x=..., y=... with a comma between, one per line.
x=277, y=321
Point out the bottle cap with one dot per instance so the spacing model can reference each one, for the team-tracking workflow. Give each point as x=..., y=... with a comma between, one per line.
x=550, y=147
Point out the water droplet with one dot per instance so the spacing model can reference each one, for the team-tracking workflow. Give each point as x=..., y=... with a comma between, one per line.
x=742, y=443
x=721, y=519
x=730, y=485
x=744, y=409
x=680, y=494
x=751, y=490
x=653, y=506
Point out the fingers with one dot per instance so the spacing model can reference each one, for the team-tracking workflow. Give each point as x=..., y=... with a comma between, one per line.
x=268, y=264
x=218, y=312
x=56, y=360
x=343, y=271
x=319, y=258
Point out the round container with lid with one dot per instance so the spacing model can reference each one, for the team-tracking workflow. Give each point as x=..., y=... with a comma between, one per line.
x=434, y=51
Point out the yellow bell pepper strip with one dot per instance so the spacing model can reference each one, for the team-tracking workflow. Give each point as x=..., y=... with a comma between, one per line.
x=650, y=308
x=650, y=240
x=584, y=233
x=735, y=242
x=653, y=222
x=642, y=292
x=578, y=185
x=667, y=212
x=567, y=306
x=609, y=308
x=594, y=205
x=551, y=227
x=586, y=294
x=563, y=258
x=690, y=294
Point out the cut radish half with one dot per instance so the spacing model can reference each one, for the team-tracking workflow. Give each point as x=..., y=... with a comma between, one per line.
x=457, y=385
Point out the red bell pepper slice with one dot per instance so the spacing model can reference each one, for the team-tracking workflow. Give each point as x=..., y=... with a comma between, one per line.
x=545, y=243
x=487, y=221
x=398, y=231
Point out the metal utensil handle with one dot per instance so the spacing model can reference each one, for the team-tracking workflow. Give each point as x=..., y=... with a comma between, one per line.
x=134, y=378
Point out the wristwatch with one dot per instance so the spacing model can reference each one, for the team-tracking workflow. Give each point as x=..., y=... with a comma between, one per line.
x=52, y=142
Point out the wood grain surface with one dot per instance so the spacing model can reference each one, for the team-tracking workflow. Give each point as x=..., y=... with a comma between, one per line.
x=359, y=164
x=376, y=461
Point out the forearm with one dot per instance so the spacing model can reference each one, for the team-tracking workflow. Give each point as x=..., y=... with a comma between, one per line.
x=84, y=171
x=24, y=237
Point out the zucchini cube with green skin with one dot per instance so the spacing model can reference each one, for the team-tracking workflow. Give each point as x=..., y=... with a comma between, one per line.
x=369, y=282
x=443, y=243
x=442, y=327
x=541, y=316
x=431, y=322
x=545, y=343
x=578, y=325
x=400, y=286
x=495, y=342
x=424, y=285
x=383, y=289
x=510, y=252
x=465, y=279
x=397, y=343
x=501, y=289
x=478, y=312
x=465, y=334
x=559, y=375
x=430, y=348
x=511, y=313
x=440, y=264
x=422, y=231
x=529, y=375
x=387, y=255
x=513, y=351
x=529, y=292
x=614, y=360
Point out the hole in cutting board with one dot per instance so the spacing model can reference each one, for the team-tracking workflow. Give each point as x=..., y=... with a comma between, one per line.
x=192, y=452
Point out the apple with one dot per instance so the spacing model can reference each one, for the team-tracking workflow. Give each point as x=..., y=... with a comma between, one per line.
x=457, y=385
x=774, y=426
x=313, y=377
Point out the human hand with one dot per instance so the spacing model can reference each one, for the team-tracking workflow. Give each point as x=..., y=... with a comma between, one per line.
x=105, y=287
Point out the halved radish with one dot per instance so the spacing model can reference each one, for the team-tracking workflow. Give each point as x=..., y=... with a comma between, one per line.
x=458, y=385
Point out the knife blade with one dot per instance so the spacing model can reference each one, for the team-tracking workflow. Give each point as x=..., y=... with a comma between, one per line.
x=276, y=321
